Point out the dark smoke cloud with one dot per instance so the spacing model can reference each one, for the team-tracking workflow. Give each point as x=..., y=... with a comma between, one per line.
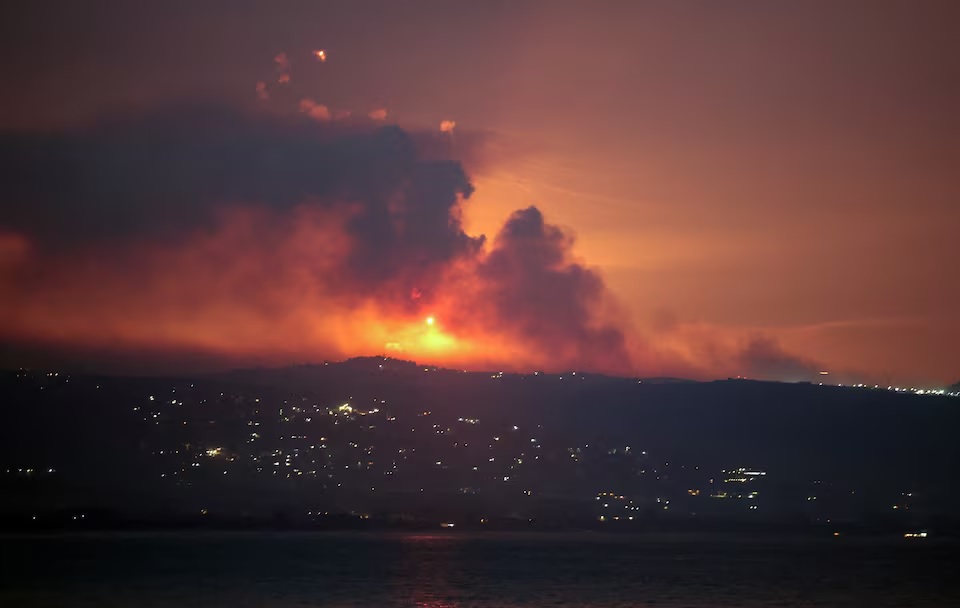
x=547, y=298
x=764, y=358
x=163, y=177
x=164, y=174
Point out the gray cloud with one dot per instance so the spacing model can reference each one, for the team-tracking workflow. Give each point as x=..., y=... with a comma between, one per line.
x=548, y=299
x=764, y=358
x=163, y=174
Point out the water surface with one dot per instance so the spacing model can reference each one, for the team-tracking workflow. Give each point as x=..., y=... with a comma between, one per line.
x=281, y=570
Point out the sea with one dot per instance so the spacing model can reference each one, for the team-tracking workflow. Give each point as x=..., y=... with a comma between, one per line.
x=464, y=570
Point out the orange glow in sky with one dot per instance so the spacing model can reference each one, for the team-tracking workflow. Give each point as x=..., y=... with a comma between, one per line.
x=728, y=193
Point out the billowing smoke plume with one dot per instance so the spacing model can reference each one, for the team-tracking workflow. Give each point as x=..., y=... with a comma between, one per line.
x=285, y=238
x=529, y=272
x=764, y=358
x=164, y=176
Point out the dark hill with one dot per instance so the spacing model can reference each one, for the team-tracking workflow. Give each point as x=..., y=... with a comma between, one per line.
x=398, y=440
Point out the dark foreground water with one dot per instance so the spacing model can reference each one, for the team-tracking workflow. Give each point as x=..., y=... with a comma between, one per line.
x=283, y=570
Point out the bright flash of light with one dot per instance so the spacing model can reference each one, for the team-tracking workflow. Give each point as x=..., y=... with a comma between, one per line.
x=422, y=339
x=446, y=126
x=321, y=55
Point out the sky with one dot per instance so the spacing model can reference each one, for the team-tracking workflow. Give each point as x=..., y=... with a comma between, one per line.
x=698, y=189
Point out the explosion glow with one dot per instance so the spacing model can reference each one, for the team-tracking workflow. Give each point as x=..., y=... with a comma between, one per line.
x=333, y=249
x=371, y=239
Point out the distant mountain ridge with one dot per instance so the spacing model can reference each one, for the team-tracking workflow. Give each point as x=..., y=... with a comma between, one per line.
x=380, y=363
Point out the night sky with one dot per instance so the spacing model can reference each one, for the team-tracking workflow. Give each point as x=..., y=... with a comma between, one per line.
x=696, y=189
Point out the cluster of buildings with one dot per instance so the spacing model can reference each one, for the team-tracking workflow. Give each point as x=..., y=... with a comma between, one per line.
x=218, y=447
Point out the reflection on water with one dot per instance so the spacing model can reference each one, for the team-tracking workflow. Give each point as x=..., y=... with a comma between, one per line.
x=448, y=570
x=425, y=570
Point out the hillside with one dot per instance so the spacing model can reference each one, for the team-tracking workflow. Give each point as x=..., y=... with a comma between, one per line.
x=392, y=440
